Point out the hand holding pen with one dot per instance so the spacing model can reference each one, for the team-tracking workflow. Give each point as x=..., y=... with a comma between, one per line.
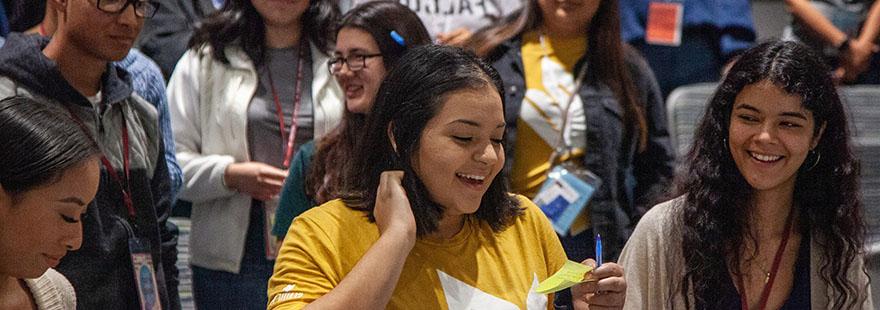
x=608, y=291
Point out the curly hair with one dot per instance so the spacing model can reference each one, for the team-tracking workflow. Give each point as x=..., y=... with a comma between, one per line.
x=714, y=218
x=411, y=95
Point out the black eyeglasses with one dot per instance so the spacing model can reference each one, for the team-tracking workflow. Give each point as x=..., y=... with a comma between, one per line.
x=142, y=9
x=355, y=62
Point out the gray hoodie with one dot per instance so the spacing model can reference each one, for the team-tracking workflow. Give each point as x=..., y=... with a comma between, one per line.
x=101, y=271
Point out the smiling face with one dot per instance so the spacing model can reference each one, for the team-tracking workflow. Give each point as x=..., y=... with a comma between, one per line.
x=460, y=151
x=770, y=135
x=568, y=17
x=39, y=226
x=360, y=86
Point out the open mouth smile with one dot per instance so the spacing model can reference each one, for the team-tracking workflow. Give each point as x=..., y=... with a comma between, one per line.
x=472, y=180
x=765, y=158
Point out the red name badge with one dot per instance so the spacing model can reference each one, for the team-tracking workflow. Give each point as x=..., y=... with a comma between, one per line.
x=271, y=245
x=664, y=23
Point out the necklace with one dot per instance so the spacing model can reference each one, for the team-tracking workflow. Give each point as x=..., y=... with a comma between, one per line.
x=765, y=273
x=771, y=276
x=297, y=97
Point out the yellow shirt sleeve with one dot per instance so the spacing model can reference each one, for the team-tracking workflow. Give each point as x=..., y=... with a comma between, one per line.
x=547, y=238
x=304, y=267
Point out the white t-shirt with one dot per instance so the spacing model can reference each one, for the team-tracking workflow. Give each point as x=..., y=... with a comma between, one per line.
x=441, y=16
x=96, y=99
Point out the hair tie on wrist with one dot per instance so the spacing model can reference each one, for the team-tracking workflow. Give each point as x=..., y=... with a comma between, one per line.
x=397, y=38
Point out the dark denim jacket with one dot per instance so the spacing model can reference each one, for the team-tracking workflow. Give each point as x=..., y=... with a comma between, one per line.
x=629, y=178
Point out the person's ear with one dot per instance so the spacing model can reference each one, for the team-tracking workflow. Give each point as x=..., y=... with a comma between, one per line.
x=57, y=5
x=818, y=136
x=57, y=10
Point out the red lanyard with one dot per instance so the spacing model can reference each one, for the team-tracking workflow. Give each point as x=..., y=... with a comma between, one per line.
x=297, y=97
x=777, y=259
x=125, y=187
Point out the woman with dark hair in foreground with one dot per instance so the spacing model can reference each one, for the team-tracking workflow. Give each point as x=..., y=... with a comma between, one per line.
x=437, y=228
x=768, y=213
x=49, y=173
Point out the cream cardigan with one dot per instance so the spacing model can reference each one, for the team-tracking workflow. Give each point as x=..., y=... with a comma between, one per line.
x=654, y=264
x=52, y=291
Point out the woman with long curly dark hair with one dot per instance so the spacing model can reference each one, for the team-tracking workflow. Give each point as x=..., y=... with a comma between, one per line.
x=768, y=213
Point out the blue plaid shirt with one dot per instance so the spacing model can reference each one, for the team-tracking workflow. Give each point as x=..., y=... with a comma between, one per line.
x=147, y=82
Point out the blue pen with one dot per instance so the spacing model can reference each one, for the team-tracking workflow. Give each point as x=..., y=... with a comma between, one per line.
x=598, y=250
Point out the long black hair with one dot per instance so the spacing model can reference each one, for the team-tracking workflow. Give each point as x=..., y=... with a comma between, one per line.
x=379, y=19
x=714, y=217
x=605, y=56
x=411, y=95
x=239, y=23
x=38, y=143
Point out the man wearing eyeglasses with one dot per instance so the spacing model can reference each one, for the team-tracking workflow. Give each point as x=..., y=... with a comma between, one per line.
x=124, y=229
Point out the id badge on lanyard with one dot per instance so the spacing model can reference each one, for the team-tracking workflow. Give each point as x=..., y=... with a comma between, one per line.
x=664, y=23
x=138, y=248
x=269, y=208
x=569, y=186
x=144, y=273
x=565, y=193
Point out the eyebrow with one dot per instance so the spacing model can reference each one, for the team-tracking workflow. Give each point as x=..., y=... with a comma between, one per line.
x=746, y=106
x=472, y=123
x=73, y=200
x=354, y=51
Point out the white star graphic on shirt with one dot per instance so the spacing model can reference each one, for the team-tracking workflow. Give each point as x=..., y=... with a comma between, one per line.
x=462, y=296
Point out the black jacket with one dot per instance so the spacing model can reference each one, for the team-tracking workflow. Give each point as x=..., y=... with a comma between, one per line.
x=628, y=177
x=101, y=271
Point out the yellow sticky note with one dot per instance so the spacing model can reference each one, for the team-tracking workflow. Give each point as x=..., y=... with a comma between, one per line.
x=571, y=273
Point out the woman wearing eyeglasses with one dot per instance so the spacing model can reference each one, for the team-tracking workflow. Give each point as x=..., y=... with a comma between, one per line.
x=253, y=87
x=370, y=39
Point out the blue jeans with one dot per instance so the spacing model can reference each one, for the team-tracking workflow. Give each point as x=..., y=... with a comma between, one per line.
x=214, y=289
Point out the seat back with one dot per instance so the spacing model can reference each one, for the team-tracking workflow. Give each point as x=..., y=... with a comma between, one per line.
x=863, y=106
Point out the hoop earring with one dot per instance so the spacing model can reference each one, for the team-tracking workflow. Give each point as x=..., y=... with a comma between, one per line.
x=816, y=162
